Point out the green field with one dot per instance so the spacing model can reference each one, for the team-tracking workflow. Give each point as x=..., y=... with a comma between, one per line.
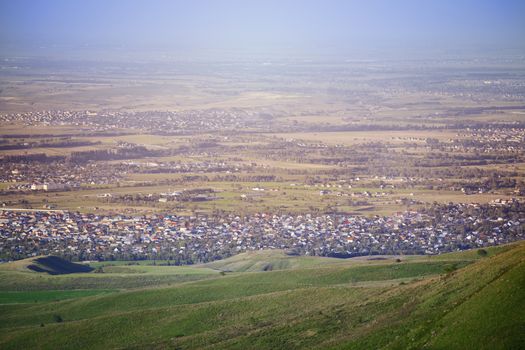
x=17, y=297
x=462, y=300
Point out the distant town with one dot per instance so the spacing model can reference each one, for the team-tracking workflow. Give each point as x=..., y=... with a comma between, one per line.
x=188, y=240
x=402, y=158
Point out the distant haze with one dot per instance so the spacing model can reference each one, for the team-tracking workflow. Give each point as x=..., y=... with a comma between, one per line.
x=268, y=27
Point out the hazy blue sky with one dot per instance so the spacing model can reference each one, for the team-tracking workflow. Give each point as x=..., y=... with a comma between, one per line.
x=343, y=25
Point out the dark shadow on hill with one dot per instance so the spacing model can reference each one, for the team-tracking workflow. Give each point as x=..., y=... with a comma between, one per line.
x=54, y=265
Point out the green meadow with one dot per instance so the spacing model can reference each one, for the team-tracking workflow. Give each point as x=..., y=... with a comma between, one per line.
x=270, y=300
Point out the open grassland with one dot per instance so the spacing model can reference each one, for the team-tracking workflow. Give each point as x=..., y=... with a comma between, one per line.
x=138, y=92
x=270, y=260
x=19, y=276
x=17, y=297
x=459, y=300
x=289, y=196
x=38, y=131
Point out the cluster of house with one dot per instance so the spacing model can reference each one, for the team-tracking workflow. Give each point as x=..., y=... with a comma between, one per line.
x=490, y=139
x=482, y=139
x=188, y=167
x=80, y=236
x=57, y=176
x=154, y=121
x=191, y=195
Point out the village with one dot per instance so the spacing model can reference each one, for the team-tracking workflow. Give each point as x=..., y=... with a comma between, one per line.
x=190, y=239
x=151, y=121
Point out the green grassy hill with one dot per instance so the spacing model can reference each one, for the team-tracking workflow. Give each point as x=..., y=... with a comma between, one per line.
x=268, y=260
x=52, y=265
x=459, y=301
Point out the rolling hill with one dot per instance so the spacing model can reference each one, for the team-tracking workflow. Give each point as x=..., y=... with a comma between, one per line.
x=268, y=260
x=459, y=301
x=52, y=265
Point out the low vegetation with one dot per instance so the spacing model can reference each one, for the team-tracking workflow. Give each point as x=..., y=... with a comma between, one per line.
x=302, y=302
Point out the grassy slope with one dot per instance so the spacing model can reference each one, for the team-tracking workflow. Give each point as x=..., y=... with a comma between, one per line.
x=51, y=265
x=332, y=306
x=268, y=260
x=16, y=276
x=54, y=265
x=15, y=297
